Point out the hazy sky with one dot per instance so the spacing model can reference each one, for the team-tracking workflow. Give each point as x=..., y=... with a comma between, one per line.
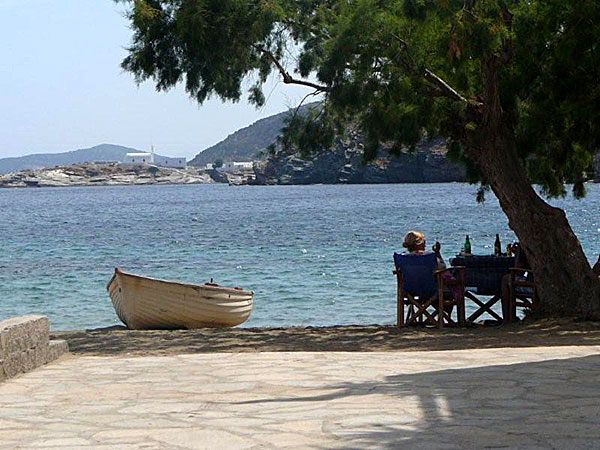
x=61, y=87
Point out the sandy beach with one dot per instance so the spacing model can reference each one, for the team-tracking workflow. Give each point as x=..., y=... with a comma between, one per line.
x=363, y=338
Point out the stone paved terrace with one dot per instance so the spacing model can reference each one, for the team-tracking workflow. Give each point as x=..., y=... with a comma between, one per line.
x=502, y=398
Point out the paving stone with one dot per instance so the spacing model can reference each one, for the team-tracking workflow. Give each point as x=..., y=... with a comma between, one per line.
x=448, y=400
x=60, y=443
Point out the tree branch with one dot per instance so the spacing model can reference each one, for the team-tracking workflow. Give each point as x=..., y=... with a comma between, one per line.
x=301, y=103
x=507, y=47
x=443, y=87
x=287, y=78
x=506, y=14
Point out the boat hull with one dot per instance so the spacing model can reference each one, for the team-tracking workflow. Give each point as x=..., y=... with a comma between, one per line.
x=151, y=303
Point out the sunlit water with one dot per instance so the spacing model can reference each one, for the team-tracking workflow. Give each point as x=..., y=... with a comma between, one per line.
x=313, y=255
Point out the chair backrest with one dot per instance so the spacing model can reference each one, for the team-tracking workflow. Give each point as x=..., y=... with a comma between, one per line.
x=417, y=273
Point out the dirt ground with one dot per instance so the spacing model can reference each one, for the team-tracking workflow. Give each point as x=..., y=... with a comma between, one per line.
x=363, y=338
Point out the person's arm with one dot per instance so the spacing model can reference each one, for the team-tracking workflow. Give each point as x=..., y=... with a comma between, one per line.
x=437, y=247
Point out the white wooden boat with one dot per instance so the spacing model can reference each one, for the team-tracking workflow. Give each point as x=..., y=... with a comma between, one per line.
x=151, y=303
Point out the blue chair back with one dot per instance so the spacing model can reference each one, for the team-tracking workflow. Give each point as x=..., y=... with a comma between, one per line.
x=418, y=278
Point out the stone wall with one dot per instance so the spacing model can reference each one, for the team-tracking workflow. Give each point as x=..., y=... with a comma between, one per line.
x=25, y=345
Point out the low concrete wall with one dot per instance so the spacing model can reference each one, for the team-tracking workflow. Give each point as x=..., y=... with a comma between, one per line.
x=25, y=345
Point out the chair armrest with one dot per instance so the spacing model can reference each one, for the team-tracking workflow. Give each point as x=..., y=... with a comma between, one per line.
x=514, y=271
x=449, y=269
x=459, y=281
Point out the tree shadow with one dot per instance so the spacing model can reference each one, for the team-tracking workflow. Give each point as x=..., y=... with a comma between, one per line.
x=552, y=404
x=119, y=340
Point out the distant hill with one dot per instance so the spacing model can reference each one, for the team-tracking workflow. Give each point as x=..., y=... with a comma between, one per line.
x=103, y=152
x=244, y=144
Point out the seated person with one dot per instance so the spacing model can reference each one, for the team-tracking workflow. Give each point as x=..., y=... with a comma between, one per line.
x=520, y=263
x=414, y=242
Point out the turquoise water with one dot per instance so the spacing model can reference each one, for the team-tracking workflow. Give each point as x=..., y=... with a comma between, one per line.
x=314, y=255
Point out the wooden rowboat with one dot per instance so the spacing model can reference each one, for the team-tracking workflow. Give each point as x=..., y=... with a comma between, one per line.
x=151, y=303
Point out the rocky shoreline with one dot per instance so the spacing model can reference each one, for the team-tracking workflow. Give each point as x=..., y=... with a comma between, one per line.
x=108, y=174
x=343, y=164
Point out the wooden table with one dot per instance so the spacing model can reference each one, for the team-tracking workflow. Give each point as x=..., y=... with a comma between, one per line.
x=483, y=277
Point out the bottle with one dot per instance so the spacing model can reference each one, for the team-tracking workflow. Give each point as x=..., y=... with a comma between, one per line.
x=467, y=245
x=497, y=246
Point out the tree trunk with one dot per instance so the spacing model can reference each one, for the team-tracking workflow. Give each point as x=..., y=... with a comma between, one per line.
x=566, y=283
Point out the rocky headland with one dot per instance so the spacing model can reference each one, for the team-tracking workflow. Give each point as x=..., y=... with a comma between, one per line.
x=343, y=163
x=108, y=174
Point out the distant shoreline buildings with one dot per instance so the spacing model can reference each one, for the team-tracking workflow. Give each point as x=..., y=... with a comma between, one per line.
x=234, y=166
x=179, y=162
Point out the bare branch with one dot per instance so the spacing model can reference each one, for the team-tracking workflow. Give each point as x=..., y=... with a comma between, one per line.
x=443, y=87
x=287, y=78
x=311, y=94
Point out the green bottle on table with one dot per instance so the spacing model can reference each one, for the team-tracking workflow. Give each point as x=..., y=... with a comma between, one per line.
x=467, y=245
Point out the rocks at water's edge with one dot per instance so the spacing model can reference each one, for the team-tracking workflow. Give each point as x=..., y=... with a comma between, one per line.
x=107, y=174
x=342, y=163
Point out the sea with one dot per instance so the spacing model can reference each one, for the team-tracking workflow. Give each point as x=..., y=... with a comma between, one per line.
x=315, y=255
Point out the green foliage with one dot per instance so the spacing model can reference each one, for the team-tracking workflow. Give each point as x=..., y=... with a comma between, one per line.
x=218, y=163
x=398, y=70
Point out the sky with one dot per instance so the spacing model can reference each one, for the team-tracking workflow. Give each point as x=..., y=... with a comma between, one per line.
x=62, y=88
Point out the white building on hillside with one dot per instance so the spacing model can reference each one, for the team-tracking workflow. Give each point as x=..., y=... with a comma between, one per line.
x=139, y=158
x=166, y=161
x=179, y=162
x=233, y=166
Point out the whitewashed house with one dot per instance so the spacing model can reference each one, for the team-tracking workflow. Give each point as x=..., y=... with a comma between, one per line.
x=234, y=166
x=179, y=162
x=209, y=166
x=139, y=158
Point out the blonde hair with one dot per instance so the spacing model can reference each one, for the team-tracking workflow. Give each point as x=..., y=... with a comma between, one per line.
x=412, y=240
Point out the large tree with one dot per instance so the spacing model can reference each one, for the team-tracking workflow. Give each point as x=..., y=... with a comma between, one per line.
x=514, y=85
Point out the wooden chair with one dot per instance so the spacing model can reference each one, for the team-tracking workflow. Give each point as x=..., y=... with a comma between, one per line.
x=425, y=292
x=522, y=292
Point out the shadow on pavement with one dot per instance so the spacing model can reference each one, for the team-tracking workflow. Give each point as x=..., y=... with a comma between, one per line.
x=552, y=404
x=119, y=340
